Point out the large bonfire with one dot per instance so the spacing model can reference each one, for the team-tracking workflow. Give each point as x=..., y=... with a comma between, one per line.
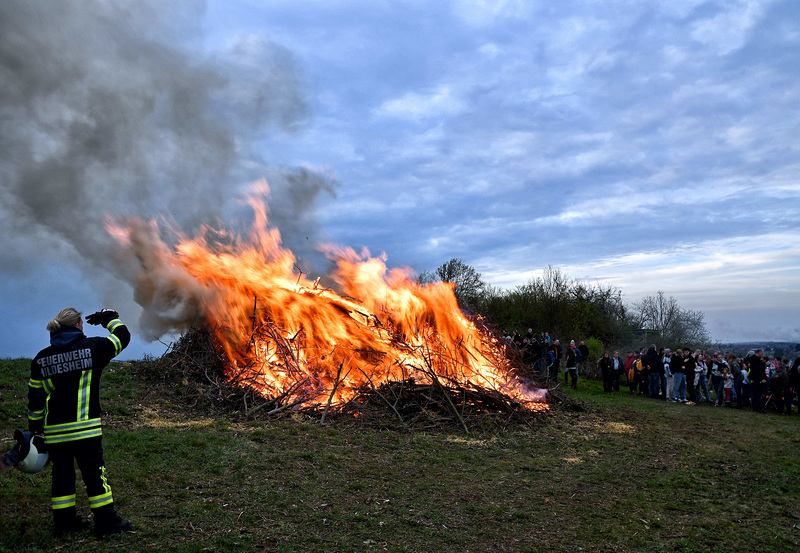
x=287, y=335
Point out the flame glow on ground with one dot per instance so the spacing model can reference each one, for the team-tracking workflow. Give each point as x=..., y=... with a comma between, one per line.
x=286, y=335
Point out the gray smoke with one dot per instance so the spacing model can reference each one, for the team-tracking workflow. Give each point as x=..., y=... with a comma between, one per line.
x=111, y=108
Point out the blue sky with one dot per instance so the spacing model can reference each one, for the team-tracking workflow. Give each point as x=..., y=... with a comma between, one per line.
x=644, y=145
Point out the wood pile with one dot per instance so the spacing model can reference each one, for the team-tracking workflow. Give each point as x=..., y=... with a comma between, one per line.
x=192, y=374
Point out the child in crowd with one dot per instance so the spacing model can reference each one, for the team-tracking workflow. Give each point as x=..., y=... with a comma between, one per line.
x=744, y=399
x=728, y=386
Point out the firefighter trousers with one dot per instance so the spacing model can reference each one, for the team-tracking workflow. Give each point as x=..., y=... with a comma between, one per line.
x=88, y=454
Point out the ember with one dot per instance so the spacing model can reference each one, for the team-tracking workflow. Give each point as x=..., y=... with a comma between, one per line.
x=286, y=336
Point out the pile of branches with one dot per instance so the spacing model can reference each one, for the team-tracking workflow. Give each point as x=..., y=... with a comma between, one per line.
x=193, y=375
x=434, y=405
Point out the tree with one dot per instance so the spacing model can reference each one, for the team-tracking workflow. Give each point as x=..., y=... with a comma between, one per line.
x=469, y=285
x=560, y=305
x=671, y=325
x=427, y=277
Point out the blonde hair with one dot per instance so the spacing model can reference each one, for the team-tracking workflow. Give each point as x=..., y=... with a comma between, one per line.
x=66, y=317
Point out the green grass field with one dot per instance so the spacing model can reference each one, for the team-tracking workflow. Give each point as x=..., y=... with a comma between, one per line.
x=627, y=474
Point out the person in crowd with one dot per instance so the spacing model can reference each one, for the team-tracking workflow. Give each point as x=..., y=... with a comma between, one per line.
x=607, y=372
x=641, y=373
x=745, y=398
x=736, y=370
x=669, y=381
x=688, y=370
x=573, y=357
x=630, y=372
x=558, y=354
x=584, y=349
x=718, y=367
x=727, y=386
x=616, y=371
x=583, y=362
x=794, y=384
x=547, y=362
x=525, y=350
x=652, y=363
x=758, y=379
x=767, y=371
x=537, y=349
x=700, y=371
x=779, y=388
x=678, y=368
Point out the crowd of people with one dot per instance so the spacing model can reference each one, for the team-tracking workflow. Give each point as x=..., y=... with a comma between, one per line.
x=754, y=381
x=546, y=354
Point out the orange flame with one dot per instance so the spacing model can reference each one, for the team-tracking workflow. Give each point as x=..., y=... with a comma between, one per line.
x=285, y=335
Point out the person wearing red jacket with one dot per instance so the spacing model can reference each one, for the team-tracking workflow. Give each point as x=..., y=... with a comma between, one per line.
x=630, y=372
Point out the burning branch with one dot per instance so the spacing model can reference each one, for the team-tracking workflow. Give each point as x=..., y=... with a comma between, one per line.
x=336, y=382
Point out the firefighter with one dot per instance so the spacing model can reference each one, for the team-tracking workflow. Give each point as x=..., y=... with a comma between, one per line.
x=64, y=406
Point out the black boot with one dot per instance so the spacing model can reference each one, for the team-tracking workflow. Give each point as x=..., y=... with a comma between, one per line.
x=66, y=521
x=108, y=522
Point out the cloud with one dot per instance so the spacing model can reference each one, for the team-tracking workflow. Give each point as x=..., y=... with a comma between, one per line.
x=417, y=106
x=730, y=28
x=481, y=13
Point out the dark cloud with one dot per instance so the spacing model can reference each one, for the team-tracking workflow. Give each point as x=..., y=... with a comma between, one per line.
x=114, y=109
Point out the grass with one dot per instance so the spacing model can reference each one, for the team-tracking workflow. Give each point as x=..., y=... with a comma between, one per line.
x=628, y=474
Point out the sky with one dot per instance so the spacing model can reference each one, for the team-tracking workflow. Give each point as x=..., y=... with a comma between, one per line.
x=645, y=145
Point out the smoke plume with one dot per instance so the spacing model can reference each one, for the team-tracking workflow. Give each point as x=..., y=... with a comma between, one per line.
x=113, y=108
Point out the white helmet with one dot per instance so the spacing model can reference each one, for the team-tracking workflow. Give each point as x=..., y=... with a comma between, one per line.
x=33, y=454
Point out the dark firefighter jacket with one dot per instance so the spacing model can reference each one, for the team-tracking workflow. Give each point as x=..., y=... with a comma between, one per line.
x=64, y=389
